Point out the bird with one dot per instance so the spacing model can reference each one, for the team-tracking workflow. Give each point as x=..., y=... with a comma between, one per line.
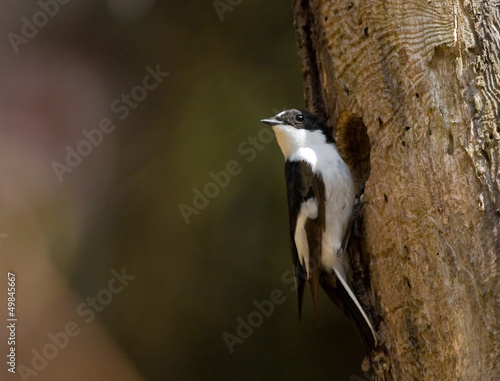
x=321, y=197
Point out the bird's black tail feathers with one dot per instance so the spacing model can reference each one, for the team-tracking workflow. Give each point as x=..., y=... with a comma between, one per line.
x=341, y=294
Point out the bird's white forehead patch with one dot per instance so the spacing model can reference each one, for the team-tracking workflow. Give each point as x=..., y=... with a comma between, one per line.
x=281, y=113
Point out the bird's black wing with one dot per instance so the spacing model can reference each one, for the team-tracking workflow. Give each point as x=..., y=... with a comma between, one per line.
x=302, y=185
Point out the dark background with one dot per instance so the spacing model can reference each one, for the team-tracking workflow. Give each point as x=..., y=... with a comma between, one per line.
x=119, y=208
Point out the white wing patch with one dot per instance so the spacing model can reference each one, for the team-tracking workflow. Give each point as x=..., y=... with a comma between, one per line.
x=308, y=210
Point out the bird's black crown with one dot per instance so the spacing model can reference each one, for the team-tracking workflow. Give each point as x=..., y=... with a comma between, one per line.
x=302, y=119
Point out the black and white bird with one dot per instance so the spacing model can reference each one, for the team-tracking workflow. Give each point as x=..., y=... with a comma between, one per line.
x=321, y=198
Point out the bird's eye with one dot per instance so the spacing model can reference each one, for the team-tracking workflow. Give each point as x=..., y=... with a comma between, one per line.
x=299, y=118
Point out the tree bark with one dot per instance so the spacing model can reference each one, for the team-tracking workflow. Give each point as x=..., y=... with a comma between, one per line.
x=412, y=91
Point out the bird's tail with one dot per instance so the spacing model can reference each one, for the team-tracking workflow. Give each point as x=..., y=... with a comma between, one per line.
x=341, y=294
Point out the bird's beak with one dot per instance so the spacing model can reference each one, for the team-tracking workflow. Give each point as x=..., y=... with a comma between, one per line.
x=272, y=121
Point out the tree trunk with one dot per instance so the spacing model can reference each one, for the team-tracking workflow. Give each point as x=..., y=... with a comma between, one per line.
x=412, y=90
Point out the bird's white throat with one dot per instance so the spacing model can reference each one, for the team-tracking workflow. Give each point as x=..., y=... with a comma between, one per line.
x=291, y=139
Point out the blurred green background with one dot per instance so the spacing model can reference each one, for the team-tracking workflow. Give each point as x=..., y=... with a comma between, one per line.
x=119, y=208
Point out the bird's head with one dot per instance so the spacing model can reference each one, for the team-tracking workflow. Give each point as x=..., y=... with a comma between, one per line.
x=297, y=129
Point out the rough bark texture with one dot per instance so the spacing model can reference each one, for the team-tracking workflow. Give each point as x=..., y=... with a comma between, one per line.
x=412, y=89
